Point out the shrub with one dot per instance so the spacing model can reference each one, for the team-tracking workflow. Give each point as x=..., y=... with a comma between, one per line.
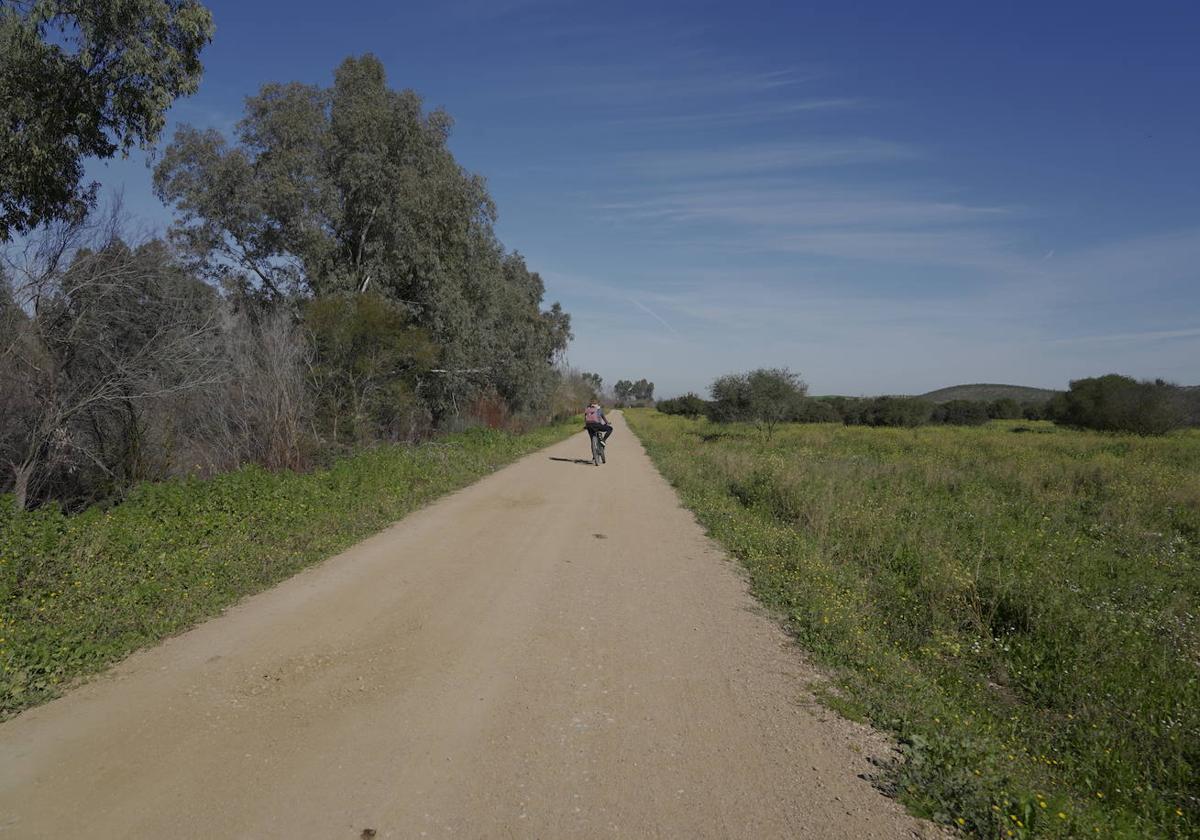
x=896, y=411
x=766, y=397
x=962, y=413
x=818, y=411
x=1005, y=408
x=1115, y=403
x=689, y=405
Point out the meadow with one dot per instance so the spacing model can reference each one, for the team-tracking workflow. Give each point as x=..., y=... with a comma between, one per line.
x=1017, y=603
x=79, y=592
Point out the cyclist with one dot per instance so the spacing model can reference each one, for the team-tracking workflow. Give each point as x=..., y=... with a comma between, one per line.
x=595, y=422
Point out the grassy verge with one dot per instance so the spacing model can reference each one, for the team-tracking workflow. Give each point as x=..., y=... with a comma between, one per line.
x=80, y=592
x=1022, y=610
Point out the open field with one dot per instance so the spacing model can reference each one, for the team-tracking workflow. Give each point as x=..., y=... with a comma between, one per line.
x=1020, y=608
x=80, y=592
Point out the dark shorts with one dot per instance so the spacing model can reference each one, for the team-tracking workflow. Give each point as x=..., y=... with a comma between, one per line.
x=594, y=428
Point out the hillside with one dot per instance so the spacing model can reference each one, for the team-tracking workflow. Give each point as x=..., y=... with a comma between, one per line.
x=986, y=391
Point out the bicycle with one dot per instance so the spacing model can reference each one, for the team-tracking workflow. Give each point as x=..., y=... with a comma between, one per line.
x=597, y=448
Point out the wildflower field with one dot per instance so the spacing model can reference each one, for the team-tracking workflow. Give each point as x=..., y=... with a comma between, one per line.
x=80, y=592
x=1018, y=603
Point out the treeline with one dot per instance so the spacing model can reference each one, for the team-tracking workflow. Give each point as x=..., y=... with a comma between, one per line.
x=333, y=279
x=1109, y=403
x=630, y=393
x=1123, y=404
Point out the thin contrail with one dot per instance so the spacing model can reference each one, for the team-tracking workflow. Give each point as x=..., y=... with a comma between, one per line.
x=1136, y=336
x=653, y=314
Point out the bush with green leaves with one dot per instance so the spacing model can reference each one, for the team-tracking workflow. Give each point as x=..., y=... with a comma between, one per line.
x=765, y=397
x=895, y=411
x=1115, y=403
x=368, y=360
x=689, y=405
x=961, y=413
x=1005, y=408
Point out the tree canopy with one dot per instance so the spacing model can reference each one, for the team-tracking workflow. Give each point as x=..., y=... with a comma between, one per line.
x=85, y=80
x=333, y=191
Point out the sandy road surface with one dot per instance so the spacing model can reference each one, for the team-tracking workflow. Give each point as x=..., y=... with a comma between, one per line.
x=556, y=651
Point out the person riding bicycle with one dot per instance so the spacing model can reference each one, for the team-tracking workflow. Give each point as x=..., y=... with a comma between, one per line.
x=595, y=422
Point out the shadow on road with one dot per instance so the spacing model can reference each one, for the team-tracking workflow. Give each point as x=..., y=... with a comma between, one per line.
x=573, y=461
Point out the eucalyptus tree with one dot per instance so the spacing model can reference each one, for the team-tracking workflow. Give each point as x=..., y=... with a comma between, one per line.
x=352, y=188
x=85, y=79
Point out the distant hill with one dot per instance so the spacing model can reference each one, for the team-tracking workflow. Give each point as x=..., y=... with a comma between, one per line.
x=1020, y=393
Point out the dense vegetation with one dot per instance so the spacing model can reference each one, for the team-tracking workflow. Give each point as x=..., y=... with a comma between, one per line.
x=629, y=393
x=1109, y=403
x=1121, y=404
x=988, y=392
x=333, y=280
x=1020, y=609
x=79, y=592
x=85, y=80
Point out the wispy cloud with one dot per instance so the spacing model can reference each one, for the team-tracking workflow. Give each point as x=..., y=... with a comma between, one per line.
x=672, y=81
x=710, y=117
x=758, y=158
x=1153, y=335
x=798, y=206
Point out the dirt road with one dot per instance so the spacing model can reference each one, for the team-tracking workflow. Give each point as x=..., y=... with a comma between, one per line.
x=556, y=651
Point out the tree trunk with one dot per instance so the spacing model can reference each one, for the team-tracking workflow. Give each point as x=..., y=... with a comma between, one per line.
x=21, y=475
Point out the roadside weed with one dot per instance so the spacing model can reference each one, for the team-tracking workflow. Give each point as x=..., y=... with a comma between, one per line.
x=1021, y=610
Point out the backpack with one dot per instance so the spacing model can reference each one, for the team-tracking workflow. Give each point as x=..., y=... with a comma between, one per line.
x=591, y=414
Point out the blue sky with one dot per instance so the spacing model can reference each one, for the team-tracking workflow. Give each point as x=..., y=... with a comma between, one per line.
x=887, y=198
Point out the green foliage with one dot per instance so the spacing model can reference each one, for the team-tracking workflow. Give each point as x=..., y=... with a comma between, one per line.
x=689, y=405
x=81, y=80
x=337, y=190
x=983, y=392
x=1020, y=610
x=962, y=413
x=572, y=391
x=813, y=410
x=79, y=592
x=905, y=412
x=629, y=392
x=766, y=397
x=1120, y=404
x=368, y=358
x=1005, y=408
x=892, y=411
x=594, y=382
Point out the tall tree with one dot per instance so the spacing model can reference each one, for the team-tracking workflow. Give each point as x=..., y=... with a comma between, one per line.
x=85, y=80
x=350, y=188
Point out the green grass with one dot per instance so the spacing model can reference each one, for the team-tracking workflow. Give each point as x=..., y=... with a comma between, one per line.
x=80, y=592
x=1021, y=610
